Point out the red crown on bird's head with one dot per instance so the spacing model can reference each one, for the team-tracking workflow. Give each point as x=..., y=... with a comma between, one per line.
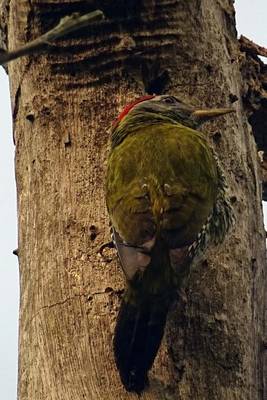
x=130, y=106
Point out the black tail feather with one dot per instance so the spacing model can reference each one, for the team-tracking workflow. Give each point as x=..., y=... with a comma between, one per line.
x=138, y=335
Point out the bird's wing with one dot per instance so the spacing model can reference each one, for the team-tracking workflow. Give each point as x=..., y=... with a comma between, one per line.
x=134, y=259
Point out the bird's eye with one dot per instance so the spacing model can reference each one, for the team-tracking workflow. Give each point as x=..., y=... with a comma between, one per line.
x=170, y=100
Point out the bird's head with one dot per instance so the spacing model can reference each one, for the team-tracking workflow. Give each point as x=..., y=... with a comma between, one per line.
x=170, y=108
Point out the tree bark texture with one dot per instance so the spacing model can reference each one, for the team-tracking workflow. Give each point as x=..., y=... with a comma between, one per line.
x=63, y=105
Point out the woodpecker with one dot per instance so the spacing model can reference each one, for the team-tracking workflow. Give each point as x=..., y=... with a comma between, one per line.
x=166, y=199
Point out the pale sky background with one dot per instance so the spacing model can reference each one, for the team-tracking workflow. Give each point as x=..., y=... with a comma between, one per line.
x=251, y=21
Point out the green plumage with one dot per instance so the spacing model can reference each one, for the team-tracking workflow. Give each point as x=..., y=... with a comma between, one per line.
x=138, y=169
x=166, y=199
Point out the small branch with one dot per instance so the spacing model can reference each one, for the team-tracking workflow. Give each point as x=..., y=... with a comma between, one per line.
x=66, y=25
x=249, y=46
x=16, y=252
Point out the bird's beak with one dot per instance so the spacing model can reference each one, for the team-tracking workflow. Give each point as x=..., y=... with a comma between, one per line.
x=211, y=113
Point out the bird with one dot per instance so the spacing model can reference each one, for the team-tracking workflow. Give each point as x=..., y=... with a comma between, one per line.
x=167, y=200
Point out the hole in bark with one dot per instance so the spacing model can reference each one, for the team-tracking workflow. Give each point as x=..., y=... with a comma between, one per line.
x=217, y=137
x=253, y=263
x=67, y=140
x=157, y=85
x=233, y=98
x=155, y=78
x=108, y=290
x=205, y=263
x=67, y=144
x=30, y=117
x=93, y=236
x=233, y=199
x=209, y=69
x=46, y=111
x=92, y=232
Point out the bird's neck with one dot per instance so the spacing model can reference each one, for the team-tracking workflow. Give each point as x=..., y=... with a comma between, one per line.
x=136, y=120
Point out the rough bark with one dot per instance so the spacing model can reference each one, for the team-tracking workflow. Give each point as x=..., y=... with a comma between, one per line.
x=63, y=104
x=254, y=94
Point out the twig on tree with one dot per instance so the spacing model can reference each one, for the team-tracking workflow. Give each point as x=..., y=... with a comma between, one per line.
x=66, y=25
x=16, y=252
x=249, y=46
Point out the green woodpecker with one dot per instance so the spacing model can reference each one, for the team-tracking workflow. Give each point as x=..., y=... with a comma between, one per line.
x=166, y=200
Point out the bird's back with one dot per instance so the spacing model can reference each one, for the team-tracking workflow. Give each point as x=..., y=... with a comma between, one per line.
x=162, y=181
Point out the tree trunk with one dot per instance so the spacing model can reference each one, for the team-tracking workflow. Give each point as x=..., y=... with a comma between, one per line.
x=63, y=105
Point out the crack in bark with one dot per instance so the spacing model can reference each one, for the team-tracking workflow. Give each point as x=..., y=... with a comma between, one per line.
x=88, y=296
x=59, y=303
x=16, y=102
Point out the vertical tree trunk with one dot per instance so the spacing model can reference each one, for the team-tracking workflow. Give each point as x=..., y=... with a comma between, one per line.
x=63, y=104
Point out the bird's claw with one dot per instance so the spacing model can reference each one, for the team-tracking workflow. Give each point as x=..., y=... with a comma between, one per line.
x=108, y=245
